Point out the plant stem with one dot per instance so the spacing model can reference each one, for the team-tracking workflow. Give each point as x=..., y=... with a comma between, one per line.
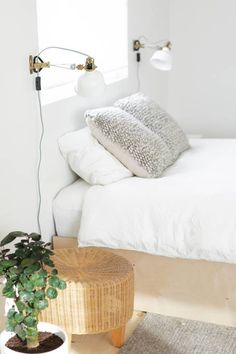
x=33, y=341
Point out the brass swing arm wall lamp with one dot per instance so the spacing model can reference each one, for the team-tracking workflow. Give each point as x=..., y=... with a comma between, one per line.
x=36, y=65
x=89, y=84
x=161, y=59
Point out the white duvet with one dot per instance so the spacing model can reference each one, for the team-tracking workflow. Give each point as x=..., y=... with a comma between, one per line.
x=190, y=212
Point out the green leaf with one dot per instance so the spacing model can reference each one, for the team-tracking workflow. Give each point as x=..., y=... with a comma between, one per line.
x=27, y=262
x=40, y=283
x=23, y=278
x=34, y=236
x=11, y=313
x=14, y=270
x=39, y=294
x=31, y=332
x=51, y=293
x=13, y=277
x=7, y=263
x=20, y=305
x=62, y=285
x=33, y=268
x=11, y=237
x=43, y=273
x=11, y=324
x=54, y=281
x=30, y=321
x=35, y=277
x=54, y=272
x=26, y=296
x=41, y=304
x=21, y=333
x=28, y=286
x=20, y=252
x=35, y=313
x=8, y=291
x=19, y=245
x=19, y=317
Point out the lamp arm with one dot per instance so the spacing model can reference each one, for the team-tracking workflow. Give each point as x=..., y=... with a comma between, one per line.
x=137, y=44
x=65, y=66
x=65, y=49
x=166, y=44
x=152, y=46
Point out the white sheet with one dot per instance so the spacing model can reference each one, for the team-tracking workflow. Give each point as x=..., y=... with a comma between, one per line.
x=190, y=212
x=67, y=208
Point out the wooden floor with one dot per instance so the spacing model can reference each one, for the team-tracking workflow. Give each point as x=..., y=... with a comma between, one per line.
x=101, y=343
x=89, y=344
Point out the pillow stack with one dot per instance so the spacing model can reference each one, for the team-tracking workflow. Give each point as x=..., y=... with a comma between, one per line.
x=136, y=136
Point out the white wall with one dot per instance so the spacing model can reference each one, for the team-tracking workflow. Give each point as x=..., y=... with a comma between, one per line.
x=199, y=93
x=202, y=84
x=19, y=111
x=18, y=117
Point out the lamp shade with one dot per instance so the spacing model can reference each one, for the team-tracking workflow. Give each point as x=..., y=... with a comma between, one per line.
x=162, y=59
x=90, y=83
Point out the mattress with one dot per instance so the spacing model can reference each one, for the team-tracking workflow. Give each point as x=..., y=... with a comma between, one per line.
x=190, y=212
x=67, y=208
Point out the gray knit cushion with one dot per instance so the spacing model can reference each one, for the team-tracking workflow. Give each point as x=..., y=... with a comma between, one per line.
x=155, y=118
x=137, y=147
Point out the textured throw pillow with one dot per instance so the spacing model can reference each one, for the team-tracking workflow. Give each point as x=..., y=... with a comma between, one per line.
x=136, y=146
x=155, y=118
x=90, y=160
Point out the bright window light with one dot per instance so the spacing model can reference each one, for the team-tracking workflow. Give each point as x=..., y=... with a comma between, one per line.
x=97, y=27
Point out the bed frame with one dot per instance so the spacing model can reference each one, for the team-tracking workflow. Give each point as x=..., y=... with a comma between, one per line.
x=198, y=290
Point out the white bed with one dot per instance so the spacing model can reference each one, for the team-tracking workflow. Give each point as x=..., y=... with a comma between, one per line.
x=196, y=195
x=190, y=212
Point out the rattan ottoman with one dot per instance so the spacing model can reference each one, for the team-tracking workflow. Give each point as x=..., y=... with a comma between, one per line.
x=99, y=295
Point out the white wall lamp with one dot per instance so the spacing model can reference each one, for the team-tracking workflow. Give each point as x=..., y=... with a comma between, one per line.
x=161, y=59
x=91, y=83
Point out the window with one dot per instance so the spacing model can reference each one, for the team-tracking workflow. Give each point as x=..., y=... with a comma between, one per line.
x=96, y=27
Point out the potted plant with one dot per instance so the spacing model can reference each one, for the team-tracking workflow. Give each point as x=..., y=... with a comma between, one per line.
x=30, y=281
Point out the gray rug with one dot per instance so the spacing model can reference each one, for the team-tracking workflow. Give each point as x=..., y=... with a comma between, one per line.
x=168, y=335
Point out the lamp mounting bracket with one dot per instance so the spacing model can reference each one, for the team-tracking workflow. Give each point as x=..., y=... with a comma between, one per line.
x=36, y=64
x=137, y=45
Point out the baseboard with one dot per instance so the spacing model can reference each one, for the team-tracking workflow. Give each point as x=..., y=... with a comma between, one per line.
x=64, y=242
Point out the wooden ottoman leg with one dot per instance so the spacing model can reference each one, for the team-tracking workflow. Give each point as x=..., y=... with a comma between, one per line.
x=118, y=337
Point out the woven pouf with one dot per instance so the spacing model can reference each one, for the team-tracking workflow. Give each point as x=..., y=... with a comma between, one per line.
x=99, y=296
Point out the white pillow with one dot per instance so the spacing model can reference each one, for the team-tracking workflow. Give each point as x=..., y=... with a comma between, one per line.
x=90, y=160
